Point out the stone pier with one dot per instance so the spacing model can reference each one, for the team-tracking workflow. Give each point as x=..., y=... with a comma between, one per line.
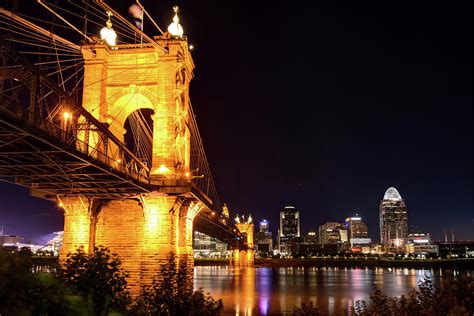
x=142, y=232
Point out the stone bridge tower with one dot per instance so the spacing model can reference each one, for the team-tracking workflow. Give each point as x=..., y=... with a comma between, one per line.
x=143, y=231
x=240, y=256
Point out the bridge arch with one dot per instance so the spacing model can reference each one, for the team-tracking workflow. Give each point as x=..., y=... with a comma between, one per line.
x=125, y=104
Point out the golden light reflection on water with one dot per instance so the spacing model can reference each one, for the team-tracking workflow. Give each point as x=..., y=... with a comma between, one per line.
x=262, y=291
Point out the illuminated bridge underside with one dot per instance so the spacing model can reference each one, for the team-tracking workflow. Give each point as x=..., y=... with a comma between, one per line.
x=206, y=223
x=32, y=158
x=49, y=168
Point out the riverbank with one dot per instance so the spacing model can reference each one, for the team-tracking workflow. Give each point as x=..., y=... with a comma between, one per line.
x=351, y=263
x=462, y=264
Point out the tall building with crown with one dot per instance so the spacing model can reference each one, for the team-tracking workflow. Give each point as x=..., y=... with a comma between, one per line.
x=393, y=221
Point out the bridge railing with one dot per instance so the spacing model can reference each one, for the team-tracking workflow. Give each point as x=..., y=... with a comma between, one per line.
x=69, y=136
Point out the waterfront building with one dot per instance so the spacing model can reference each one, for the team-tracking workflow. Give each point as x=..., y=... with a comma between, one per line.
x=356, y=228
x=421, y=245
x=289, y=231
x=9, y=239
x=264, y=239
x=206, y=246
x=456, y=249
x=418, y=238
x=311, y=237
x=393, y=221
x=309, y=244
x=357, y=233
x=55, y=244
x=332, y=233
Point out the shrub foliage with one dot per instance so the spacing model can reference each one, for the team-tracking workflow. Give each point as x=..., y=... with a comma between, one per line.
x=172, y=296
x=454, y=296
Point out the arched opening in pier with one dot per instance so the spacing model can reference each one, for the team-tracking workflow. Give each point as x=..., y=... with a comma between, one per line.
x=139, y=134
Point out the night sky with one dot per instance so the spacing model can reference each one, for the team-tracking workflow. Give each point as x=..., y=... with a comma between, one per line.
x=322, y=105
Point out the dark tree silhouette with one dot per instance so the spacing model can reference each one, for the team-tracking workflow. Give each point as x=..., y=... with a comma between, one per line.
x=98, y=278
x=454, y=296
x=170, y=296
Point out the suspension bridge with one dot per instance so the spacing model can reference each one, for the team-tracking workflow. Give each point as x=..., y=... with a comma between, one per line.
x=95, y=115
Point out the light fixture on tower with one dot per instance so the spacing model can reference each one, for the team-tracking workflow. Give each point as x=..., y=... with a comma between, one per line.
x=107, y=33
x=175, y=28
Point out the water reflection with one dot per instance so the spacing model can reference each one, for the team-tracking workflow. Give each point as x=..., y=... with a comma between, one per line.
x=262, y=291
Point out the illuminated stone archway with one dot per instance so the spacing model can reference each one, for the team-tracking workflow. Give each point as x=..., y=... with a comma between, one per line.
x=123, y=107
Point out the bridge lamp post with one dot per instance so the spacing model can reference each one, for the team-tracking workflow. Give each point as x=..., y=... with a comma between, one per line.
x=116, y=163
x=66, y=117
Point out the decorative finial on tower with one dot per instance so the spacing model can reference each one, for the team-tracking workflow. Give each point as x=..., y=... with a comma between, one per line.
x=109, y=22
x=175, y=28
x=107, y=33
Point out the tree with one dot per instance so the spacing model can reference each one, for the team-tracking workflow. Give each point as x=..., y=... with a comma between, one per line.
x=454, y=296
x=306, y=309
x=98, y=278
x=170, y=296
x=25, y=293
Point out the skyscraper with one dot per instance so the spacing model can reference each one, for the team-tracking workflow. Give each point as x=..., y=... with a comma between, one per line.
x=289, y=222
x=393, y=221
x=264, y=240
x=357, y=231
x=356, y=228
x=332, y=233
x=289, y=230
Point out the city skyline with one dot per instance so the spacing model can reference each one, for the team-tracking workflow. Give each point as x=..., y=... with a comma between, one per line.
x=328, y=126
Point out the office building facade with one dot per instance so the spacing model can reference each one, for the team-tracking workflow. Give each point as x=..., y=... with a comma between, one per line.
x=289, y=231
x=357, y=232
x=264, y=239
x=332, y=233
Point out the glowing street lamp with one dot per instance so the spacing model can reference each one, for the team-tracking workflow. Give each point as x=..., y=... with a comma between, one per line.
x=163, y=170
x=66, y=116
x=107, y=33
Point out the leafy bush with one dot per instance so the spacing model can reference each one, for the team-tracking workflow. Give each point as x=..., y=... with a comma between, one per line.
x=171, y=296
x=454, y=296
x=98, y=278
x=25, y=293
x=95, y=284
x=306, y=309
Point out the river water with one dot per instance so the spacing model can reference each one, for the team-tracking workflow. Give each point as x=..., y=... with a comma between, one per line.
x=275, y=291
